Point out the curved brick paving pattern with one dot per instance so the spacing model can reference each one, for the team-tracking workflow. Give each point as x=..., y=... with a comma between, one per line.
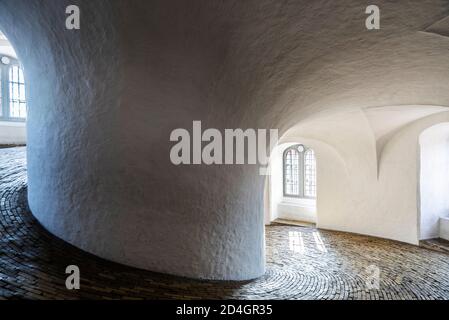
x=301, y=263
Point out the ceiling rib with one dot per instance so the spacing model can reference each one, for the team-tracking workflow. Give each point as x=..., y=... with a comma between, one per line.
x=441, y=27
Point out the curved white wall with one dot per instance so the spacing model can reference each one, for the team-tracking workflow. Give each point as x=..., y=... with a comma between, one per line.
x=103, y=101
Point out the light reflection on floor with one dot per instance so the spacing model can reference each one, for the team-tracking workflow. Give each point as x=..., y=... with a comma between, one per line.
x=319, y=242
x=296, y=241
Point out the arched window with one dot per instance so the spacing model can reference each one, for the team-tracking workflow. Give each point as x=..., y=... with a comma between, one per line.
x=299, y=172
x=13, y=105
x=291, y=172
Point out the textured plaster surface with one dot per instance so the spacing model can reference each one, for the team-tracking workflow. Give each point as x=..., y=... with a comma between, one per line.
x=103, y=101
x=434, y=185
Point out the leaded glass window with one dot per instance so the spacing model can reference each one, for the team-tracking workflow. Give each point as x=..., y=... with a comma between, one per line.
x=17, y=100
x=299, y=172
x=13, y=105
x=291, y=172
x=309, y=174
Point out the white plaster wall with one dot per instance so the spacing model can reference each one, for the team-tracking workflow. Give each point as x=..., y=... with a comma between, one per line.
x=290, y=209
x=275, y=188
x=104, y=100
x=12, y=133
x=434, y=177
x=73, y=93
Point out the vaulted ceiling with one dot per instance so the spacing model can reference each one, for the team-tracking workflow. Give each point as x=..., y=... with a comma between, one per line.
x=369, y=85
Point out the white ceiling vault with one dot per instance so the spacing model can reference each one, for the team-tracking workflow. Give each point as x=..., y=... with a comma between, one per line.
x=5, y=46
x=386, y=82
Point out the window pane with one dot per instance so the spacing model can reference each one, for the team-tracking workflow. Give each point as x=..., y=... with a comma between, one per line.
x=21, y=80
x=310, y=174
x=291, y=173
x=15, y=92
x=17, y=100
x=22, y=92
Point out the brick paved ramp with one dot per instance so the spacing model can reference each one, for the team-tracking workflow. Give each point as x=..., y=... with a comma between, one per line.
x=302, y=263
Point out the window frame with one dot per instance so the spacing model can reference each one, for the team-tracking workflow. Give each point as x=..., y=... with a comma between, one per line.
x=314, y=170
x=301, y=172
x=5, y=95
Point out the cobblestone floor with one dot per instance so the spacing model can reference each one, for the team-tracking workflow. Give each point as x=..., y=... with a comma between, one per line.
x=302, y=263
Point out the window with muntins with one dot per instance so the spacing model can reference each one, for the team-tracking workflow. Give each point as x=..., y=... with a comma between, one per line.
x=13, y=105
x=299, y=172
x=17, y=101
